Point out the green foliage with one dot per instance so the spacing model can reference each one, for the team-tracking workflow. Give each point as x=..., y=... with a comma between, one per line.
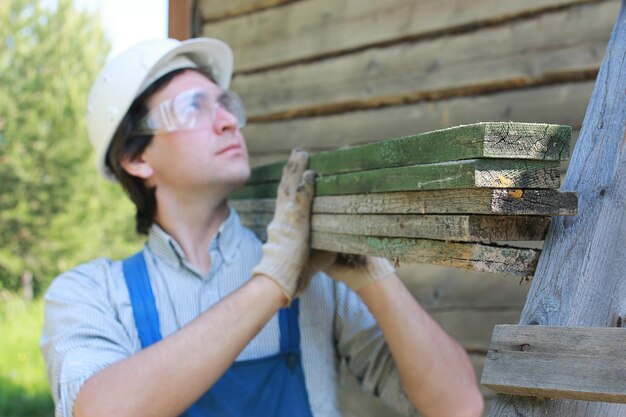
x=55, y=211
x=24, y=389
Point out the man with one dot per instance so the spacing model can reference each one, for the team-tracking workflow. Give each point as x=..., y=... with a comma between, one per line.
x=205, y=320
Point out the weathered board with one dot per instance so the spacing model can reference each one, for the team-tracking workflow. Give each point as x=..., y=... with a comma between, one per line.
x=481, y=257
x=473, y=256
x=440, y=227
x=308, y=30
x=580, y=276
x=562, y=104
x=464, y=201
x=451, y=228
x=471, y=173
x=525, y=52
x=557, y=362
x=510, y=140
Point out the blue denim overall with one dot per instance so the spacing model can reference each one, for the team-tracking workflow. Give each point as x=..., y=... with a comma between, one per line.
x=264, y=387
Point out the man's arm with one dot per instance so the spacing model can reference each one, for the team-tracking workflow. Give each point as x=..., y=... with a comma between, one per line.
x=166, y=378
x=435, y=371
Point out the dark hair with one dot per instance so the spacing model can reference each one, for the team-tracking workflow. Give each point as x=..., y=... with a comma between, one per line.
x=124, y=146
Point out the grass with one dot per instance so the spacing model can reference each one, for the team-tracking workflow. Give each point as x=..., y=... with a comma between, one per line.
x=24, y=390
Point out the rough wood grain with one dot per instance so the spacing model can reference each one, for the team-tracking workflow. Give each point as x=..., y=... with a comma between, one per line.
x=259, y=160
x=447, y=227
x=471, y=173
x=557, y=362
x=464, y=201
x=562, y=104
x=312, y=29
x=473, y=256
x=507, y=260
x=439, y=227
x=580, y=277
x=510, y=140
x=520, y=53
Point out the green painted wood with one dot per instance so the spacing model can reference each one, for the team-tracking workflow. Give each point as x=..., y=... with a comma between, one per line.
x=480, y=257
x=465, y=201
x=472, y=256
x=478, y=173
x=473, y=173
x=481, y=140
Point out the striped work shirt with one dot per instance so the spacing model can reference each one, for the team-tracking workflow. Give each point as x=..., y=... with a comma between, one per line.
x=89, y=322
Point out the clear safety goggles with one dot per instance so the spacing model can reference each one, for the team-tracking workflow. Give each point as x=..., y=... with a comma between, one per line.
x=193, y=109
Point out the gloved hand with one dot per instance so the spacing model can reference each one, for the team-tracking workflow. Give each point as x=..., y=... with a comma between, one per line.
x=287, y=248
x=356, y=271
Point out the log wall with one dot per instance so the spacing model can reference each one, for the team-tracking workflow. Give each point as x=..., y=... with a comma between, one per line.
x=324, y=74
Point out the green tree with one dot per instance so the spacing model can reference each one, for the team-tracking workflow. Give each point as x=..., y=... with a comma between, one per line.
x=55, y=211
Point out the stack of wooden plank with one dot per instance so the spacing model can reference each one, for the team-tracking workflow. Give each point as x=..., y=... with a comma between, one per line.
x=447, y=197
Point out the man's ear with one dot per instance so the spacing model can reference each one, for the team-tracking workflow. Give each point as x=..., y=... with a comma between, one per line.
x=138, y=167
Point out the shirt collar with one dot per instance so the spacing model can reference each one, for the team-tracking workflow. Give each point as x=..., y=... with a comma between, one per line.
x=229, y=236
x=226, y=241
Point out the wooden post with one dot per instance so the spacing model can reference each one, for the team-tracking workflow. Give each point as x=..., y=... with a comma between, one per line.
x=27, y=285
x=179, y=19
x=580, y=278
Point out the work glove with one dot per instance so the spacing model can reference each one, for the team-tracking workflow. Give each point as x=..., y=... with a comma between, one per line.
x=356, y=271
x=287, y=248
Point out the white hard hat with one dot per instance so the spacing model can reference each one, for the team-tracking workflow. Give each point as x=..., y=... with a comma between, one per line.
x=127, y=75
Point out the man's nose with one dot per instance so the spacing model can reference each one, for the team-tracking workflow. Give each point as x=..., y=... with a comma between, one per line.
x=224, y=121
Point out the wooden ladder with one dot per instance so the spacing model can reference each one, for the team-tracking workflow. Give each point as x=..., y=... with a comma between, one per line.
x=567, y=356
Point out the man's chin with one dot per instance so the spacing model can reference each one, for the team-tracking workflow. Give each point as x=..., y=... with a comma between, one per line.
x=237, y=181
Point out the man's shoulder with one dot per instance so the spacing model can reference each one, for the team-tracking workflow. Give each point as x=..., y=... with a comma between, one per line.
x=88, y=276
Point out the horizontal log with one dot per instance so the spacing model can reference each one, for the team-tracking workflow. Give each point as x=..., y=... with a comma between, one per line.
x=447, y=289
x=563, y=104
x=557, y=362
x=471, y=173
x=464, y=201
x=212, y=10
x=521, y=53
x=307, y=30
x=440, y=227
x=481, y=140
x=472, y=327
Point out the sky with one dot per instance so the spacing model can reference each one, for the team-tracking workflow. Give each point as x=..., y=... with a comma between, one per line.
x=127, y=22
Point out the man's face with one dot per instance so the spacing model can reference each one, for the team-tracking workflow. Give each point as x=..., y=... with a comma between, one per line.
x=213, y=157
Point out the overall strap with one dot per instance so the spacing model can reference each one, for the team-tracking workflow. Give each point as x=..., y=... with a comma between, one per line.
x=142, y=299
x=289, y=328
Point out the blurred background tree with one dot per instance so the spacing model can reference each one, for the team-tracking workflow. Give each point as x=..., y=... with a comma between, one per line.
x=55, y=211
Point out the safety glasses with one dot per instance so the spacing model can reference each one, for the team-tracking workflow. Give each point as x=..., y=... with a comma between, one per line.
x=192, y=109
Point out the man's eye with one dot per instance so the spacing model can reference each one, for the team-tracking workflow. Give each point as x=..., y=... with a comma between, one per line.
x=200, y=101
x=195, y=105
